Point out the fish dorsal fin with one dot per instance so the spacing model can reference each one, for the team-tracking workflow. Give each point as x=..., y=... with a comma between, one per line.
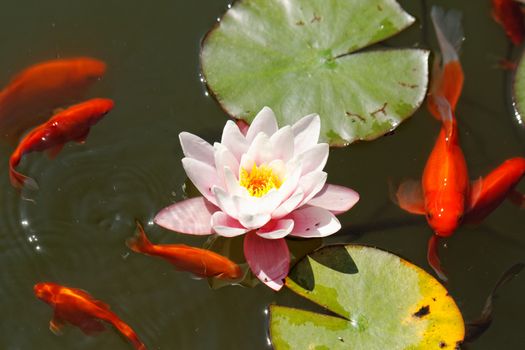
x=409, y=197
x=54, y=151
x=88, y=297
x=447, y=118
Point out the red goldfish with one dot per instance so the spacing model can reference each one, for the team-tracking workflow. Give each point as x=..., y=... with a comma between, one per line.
x=441, y=196
x=80, y=309
x=445, y=195
x=508, y=13
x=489, y=192
x=72, y=124
x=31, y=95
x=200, y=262
x=445, y=185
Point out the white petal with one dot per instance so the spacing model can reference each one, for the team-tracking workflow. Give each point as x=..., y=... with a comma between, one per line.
x=224, y=159
x=337, y=199
x=288, y=205
x=254, y=221
x=226, y=226
x=196, y=148
x=203, y=176
x=306, y=131
x=283, y=143
x=261, y=150
x=311, y=184
x=225, y=202
x=232, y=184
x=314, y=159
x=313, y=222
x=264, y=122
x=234, y=140
x=276, y=229
x=192, y=216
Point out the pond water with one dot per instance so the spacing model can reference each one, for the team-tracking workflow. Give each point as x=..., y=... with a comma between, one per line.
x=73, y=229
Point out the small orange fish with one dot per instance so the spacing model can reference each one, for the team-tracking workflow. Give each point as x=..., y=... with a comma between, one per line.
x=200, y=262
x=489, y=192
x=34, y=93
x=72, y=124
x=80, y=309
x=442, y=194
x=508, y=13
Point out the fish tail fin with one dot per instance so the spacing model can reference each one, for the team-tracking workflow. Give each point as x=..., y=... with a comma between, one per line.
x=19, y=180
x=139, y=243
x=128, y=333
x=447, y=77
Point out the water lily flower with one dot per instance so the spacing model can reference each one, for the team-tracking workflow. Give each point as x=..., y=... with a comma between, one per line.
x=266, y=184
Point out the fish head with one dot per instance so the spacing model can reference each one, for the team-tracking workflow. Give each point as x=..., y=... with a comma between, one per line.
x=444, y=221
x=46, y=291
x=90, y=69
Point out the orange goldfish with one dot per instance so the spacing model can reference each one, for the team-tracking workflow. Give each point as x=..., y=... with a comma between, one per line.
x=80, y=309
x=508, y=13
x=200, y=262
x=32, y=94
x=72, y=124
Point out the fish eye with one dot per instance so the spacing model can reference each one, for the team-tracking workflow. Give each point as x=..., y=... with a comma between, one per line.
x=460, y=218
x=429, y=216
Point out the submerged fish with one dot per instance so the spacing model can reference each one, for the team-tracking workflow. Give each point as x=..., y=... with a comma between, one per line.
x=200, y=262
x=508, y=13
x=72, y=124
x=32, y=95
x=80, y=309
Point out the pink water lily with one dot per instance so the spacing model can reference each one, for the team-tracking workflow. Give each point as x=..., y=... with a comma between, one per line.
x=266, y=183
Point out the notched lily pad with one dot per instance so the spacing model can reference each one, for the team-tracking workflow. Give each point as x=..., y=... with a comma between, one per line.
x=376, y=299
x=299, y=57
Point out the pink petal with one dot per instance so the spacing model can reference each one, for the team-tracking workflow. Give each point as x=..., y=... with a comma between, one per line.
x=269, y=259
x=276, y=229
x=264, y=122
x=234, y=140
x=203, y=176
x=313, y=222
x=337, y=199
x=314, y=159
x=192, y=216
x=196, y=148
x=226, y=226
x=306, y=131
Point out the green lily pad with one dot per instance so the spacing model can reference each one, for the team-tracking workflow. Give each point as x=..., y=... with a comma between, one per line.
x=378, y=300
x=519, y=89
x=299, y=57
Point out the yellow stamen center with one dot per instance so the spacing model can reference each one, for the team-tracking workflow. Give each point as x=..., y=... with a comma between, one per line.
x=259, y=180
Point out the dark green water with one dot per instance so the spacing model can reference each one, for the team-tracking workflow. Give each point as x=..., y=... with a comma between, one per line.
x=74, y=231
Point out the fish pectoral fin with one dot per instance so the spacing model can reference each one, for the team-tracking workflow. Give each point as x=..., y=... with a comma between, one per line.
x=53, y=151
x=433, y=258
x=476, y=188
x=91, y=326
x=55, y=325
x=409, y=197
x=517, y=198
